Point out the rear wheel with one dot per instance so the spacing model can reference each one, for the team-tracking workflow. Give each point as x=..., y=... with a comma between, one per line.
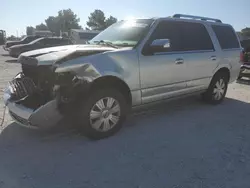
x=103, y=113
x=217, y=90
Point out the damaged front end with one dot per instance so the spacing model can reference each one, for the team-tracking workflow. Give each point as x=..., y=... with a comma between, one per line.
x=27, y=106
x=38, y=97
x=46, y=90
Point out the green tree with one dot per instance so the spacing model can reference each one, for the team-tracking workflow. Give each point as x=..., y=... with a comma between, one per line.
x=111, y=20
x=11, y=38
x=64, y=21
x=29, y=30
x=98, y=21
x=41, y=26
x=52, y=24
x=246, y=32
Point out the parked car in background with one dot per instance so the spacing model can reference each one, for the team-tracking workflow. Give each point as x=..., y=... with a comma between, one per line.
x=25, y=40
x=245, y=59
x=130, y=64
x=2, y=37
x=43, y=42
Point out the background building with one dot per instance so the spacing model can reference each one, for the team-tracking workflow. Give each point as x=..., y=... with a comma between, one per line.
x=80, y=36
x=43, y=33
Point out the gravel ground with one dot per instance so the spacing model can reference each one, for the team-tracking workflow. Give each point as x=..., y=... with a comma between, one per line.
x=180, y=144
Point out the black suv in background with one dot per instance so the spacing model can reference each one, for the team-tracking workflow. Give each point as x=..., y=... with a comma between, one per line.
x=245, y=59
x=25, y=40
x=44, y=42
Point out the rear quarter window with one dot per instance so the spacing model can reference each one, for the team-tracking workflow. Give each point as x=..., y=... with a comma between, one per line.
x=226, y=37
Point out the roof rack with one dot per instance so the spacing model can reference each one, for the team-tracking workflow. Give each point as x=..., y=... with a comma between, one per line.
x=196, y=17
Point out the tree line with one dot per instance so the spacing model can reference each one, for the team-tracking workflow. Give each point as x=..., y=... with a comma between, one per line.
x=66, y=20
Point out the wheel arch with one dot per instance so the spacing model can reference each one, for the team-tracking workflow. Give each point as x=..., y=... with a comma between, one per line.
x=225, y=70
x=115, y=82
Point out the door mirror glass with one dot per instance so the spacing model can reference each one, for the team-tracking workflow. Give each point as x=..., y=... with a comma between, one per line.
x=160, y=44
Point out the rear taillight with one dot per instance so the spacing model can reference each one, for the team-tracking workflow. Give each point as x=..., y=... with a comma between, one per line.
x=242, y=57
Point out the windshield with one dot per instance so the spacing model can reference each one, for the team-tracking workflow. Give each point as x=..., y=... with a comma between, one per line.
x=35, y=41
x=24, y=39
x=124, y=33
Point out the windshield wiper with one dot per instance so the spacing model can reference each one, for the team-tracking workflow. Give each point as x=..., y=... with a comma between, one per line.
x=106, y=43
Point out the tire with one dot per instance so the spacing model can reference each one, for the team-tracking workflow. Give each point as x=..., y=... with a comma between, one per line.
x=106, y=123
x=215, y=94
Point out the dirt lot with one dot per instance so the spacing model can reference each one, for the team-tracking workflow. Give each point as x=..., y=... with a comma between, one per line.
x=181, y=144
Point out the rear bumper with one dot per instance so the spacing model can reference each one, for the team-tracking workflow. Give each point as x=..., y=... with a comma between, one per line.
x=245, y=70
x=46, y=116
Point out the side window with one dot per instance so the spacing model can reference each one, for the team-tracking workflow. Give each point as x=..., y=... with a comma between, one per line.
x=166, y=30
x=41, y=42
x=183, y=36
x=226, y=37
x=52, y=42
x=56, y=41
x=64, y=42
x=31, y=39
x=47, y=42
x=195, y=37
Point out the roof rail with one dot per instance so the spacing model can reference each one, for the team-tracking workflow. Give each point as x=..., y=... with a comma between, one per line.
x=196, y=17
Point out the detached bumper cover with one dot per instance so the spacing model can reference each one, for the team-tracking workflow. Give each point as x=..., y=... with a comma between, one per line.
x=44, y=117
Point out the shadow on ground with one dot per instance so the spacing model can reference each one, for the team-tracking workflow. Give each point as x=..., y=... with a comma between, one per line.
x=5, y=54
x=179, y=144
x=11, y=61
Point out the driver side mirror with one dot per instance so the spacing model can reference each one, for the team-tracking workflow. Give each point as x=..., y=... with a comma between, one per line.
x=160, y=45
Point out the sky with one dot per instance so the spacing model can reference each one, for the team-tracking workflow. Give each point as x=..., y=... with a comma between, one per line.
x=15, y=15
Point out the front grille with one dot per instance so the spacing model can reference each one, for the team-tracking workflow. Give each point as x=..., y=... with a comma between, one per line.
x=22, y=87
x=19, y=119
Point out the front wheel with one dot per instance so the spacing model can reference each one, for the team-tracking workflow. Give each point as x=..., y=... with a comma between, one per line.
x=103, y=113
x=217, y=90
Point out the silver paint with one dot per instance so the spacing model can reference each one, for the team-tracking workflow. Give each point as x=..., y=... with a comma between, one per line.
x=149, y=78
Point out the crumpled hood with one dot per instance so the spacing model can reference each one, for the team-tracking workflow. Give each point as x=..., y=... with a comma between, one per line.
x=35, y=53
x=47, y=56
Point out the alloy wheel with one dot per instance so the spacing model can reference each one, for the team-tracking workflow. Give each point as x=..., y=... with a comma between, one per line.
x=105, y=114
x=219, y=89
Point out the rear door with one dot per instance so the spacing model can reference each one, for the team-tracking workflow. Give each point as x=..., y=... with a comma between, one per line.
x=229, y=48
x=201, y=58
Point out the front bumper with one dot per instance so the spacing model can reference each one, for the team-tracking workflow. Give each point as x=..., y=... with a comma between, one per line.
x=13, y=53
x=6, y=49
x=44, y=117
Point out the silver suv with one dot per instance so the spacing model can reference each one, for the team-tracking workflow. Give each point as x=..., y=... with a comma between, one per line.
x=132, y=63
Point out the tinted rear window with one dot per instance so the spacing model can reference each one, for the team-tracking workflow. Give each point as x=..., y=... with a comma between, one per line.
x=226, y=36
x=195, y=37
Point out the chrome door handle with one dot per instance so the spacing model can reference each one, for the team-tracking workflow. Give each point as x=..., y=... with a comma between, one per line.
x=179, y=61
x=213, y=58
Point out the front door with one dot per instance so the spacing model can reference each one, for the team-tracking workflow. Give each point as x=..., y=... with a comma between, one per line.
x=162, y=73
